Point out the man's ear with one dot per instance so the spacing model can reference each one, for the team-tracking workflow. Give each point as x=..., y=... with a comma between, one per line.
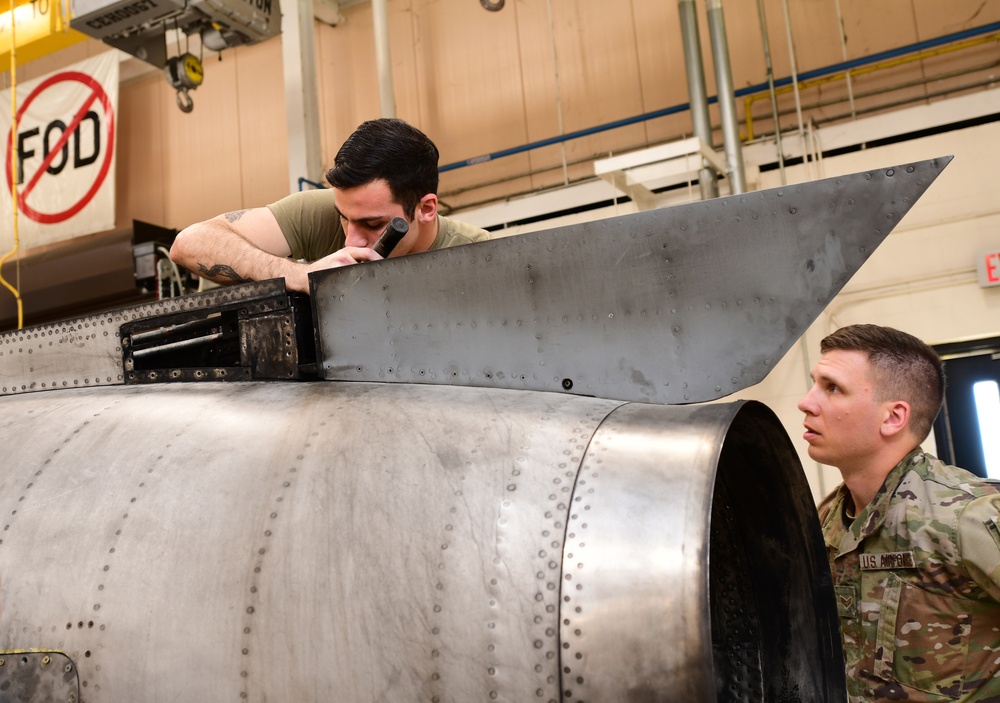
x=427, y=208
x=897, y=418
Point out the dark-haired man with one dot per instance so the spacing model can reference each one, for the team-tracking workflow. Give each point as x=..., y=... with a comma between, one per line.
x=914, y=545
x=386, y=168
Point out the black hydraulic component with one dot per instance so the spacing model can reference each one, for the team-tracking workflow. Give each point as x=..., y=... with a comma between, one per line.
x=390, y=237
x=255, y=330
x=262, y=337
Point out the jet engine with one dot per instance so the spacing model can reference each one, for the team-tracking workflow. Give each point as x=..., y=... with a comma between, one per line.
x=481, y=473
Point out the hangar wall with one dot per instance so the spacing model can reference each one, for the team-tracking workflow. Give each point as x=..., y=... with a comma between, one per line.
x=479, y=81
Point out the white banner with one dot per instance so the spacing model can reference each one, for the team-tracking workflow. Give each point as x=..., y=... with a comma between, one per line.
x=65, y=147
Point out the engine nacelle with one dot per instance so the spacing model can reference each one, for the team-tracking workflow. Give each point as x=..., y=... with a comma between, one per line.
x=360, y=542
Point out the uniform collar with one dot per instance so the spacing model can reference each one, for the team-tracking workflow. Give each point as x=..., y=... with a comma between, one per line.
x=845, y=538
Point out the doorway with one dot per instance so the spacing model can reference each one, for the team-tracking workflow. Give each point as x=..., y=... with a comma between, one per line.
x=967, y=430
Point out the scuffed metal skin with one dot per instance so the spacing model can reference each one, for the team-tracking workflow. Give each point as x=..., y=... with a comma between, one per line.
x=679, y=305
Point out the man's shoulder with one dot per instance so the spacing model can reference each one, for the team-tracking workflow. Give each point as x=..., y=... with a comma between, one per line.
x=932, y=496
x=942, y=482
x=317, y=198
x=453, y=233
x=309, y=221
x=948, y=516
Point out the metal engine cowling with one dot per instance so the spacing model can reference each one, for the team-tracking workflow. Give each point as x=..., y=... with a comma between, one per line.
x=362, y=542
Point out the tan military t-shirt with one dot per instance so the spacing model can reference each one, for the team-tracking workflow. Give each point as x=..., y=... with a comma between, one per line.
x=311, y=225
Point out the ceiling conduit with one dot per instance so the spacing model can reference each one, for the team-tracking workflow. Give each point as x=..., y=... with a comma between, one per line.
x=770, y=90
x=383, y=57
x=727, y=98
x=697, y=93
x=298, y=53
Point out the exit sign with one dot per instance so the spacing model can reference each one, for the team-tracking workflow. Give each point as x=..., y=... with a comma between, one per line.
x=988, y=266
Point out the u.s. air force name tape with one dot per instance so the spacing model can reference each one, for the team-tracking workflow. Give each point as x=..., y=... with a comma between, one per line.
x=887, y=560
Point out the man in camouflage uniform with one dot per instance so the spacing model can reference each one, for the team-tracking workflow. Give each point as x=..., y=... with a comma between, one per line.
x=914, y=545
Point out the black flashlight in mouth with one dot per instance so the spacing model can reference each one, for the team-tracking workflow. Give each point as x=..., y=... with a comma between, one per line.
x=393, y=232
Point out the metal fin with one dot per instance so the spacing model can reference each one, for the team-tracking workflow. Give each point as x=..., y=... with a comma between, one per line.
x=679, y=305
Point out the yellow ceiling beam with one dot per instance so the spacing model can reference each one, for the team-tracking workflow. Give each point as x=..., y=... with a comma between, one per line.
x=40, y=27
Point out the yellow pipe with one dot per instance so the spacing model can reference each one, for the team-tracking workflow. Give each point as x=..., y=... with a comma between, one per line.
x=13, y=170
x=749, y=100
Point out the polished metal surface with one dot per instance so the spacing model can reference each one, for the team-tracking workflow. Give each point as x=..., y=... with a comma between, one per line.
x=391, y=542
x=291, y=541
x=680, y=305
x=693, y=525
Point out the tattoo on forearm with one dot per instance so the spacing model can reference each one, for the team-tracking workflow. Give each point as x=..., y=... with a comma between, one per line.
x=235, y=215
x=223, y=271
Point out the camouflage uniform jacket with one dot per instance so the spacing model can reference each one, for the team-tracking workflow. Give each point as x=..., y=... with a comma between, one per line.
x=917, y=580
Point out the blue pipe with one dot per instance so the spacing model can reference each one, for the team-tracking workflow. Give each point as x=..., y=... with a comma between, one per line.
x=875, y=58
x=305, y=181
x=567, y=137
x=760, y=87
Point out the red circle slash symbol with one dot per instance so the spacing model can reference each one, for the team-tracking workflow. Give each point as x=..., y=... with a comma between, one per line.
x=97, y=93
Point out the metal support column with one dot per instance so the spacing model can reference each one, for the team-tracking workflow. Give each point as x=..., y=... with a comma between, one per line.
x=383, y=57
x=298, y=53
x=727, y=97
x=697, y=92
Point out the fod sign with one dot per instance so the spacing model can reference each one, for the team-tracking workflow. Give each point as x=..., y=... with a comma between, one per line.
x=64, y=149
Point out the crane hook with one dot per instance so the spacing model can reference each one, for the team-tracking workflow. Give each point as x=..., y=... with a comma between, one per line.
x=184, y=101
x=184, y=73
